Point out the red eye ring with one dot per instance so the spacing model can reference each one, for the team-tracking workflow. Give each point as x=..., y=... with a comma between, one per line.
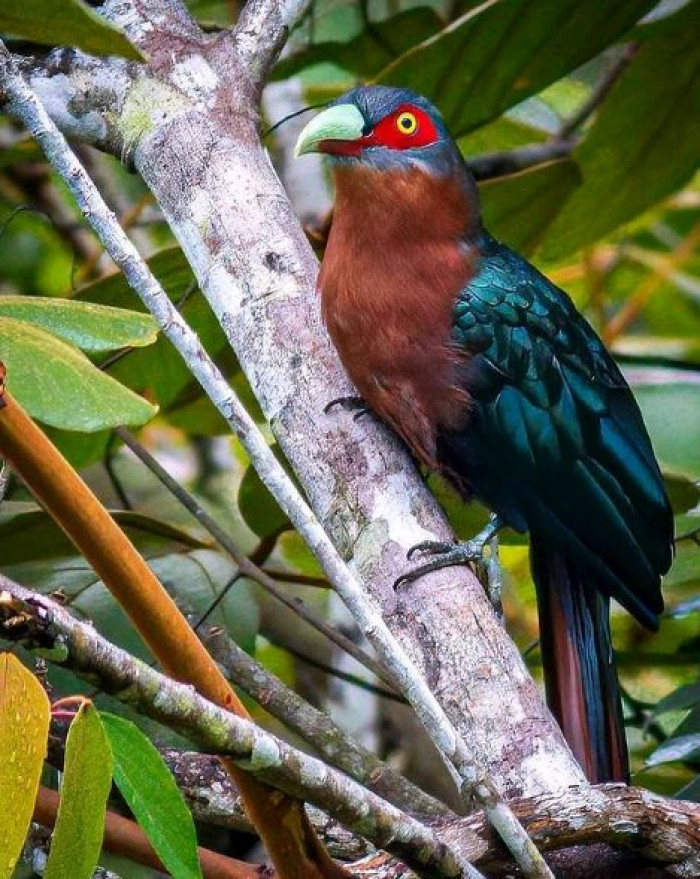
x=408, y=127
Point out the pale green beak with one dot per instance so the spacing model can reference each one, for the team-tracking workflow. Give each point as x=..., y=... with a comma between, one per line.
x=342, y=122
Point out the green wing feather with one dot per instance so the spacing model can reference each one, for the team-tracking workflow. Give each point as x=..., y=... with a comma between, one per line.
x=556, y=441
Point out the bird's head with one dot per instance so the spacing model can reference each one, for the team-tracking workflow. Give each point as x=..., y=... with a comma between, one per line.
x=382, y=127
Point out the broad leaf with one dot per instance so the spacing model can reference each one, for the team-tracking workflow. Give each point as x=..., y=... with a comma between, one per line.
x=644, y=144
x=496, y=56
x=519, y=208
x=58, y=385
x=64, y=23
x=672, y=415
x=85, y=786
x=152, y=795
x=29, y=534
x=87, y=326
x=24, y=728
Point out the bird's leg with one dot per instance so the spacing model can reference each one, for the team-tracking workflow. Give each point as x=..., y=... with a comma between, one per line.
x=352, y=403
x=464, y=553
x=494, y=578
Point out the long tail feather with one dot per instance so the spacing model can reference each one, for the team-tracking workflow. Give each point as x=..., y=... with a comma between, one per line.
x=579, y=670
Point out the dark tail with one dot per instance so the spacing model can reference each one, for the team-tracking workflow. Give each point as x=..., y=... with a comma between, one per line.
x=579, y=671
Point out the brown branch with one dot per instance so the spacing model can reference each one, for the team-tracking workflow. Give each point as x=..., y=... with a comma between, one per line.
x=281, y=821
x=125, y=837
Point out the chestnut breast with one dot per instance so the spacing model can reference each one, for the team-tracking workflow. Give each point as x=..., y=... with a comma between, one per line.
x=394, y=264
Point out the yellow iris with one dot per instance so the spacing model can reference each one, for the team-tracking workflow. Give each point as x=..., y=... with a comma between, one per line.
x=406, y=123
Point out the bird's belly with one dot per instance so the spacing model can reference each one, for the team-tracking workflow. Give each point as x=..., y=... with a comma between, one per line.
x=407, y=379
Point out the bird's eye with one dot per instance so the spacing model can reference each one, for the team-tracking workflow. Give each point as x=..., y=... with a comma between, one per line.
x=407, y=123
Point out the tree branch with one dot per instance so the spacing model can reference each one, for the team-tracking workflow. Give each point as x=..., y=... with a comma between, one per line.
x=662, y=830
x=214, y=799
x=262, y=31
x=658, y=829
x=39, y=623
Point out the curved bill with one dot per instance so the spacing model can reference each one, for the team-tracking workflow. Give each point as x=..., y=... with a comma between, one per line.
x=344, y=122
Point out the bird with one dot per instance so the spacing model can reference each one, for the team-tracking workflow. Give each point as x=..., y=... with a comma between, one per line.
x=491, y=377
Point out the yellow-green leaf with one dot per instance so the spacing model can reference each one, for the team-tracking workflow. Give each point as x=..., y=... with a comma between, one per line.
x=58, y=385
x=24, y=728
x=87, y=779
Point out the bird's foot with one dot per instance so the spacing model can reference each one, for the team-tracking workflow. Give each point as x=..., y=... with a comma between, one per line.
x=464, y=553
x=354, y=404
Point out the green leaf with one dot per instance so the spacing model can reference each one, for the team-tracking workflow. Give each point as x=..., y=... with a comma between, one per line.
x=199, y=579
x=152, y=795
x=59, y=386
x=371, y=50
x=28, y=533
x=24, y=728
x=484, y=63
x=644, y=144
x=683, y=492
x=690, y=791
x=518, y=209
x=678, y=748
x=258, y=507
x=85, y=786
x=672, y=416
x=65, y=23
x=87, y=326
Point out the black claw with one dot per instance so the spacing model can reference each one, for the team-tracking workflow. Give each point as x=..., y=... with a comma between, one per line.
x=434, y=547
x=346, y=403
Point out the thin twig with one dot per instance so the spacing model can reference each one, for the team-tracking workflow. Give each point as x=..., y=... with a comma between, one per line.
x=246, y=567
x=472, y=780
x=317, y=728
x=600, y=91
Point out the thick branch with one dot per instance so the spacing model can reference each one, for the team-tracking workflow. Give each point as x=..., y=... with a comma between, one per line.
x=262, y=31
x=39, y=623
